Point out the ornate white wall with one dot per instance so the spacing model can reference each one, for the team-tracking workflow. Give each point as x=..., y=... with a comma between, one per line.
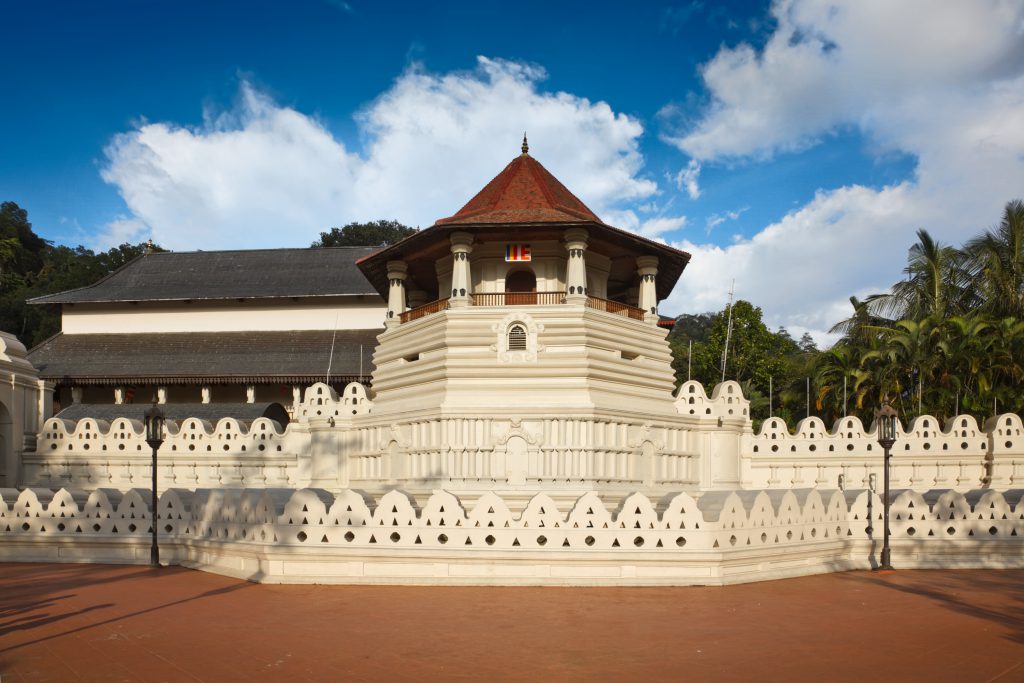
x=311, y=535
x=339, y=441
x=24, y=402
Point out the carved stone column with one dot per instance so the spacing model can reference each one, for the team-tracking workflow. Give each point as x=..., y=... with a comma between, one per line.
x=647, y=269
x=576, y=269
x=396, y=291
x=462, y=280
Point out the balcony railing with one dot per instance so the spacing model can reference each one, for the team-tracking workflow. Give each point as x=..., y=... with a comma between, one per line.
x=615, y=307
x=524, y=299
x=518, y=298
x=425, y=309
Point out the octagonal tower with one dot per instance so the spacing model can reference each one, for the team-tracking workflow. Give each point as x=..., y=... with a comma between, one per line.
x=525, y=303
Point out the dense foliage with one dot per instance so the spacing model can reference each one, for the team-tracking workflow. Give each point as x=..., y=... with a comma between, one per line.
x=31, y=266
x=372, y=234
x=948, y=338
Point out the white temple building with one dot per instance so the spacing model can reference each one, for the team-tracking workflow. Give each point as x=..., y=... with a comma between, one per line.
x=518, y=422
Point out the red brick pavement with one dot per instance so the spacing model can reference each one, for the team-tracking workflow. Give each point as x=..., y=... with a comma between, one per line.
x=118, y=623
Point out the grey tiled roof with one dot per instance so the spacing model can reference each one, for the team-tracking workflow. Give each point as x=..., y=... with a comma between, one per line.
x=216, y=357
x=210, y=412
x=257, y=273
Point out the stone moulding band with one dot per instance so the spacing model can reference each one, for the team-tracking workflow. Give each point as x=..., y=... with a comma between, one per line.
x=312, y=536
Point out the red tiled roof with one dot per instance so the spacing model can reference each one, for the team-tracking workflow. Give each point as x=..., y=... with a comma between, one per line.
x=524, y=192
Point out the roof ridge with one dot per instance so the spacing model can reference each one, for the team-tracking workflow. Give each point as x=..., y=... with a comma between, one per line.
x=103, y=279
x=523, y=187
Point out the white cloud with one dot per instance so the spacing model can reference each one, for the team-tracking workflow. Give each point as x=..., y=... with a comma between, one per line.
x=849, y=62
x=942, y=81
x=119, y=231
x=266, y=175
x=686, y=179
x=716, y=219
x=651, y=228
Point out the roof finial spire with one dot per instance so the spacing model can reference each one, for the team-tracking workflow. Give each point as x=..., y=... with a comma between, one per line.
x=526, y=146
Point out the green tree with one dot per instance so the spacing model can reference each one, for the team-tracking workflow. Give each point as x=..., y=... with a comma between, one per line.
x=24, y=248
x=839, y=380
x=935, y=283
x=372, y=234
x=996, y=259
x=860, y=327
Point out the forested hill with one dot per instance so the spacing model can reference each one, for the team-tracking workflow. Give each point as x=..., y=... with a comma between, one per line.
x=31, y=266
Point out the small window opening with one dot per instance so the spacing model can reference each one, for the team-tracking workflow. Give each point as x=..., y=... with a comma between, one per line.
x=516, y=338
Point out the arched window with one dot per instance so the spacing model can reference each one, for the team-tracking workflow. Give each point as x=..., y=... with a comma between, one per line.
x=516, y=337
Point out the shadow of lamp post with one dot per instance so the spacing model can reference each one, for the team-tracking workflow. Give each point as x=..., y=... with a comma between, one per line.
x=886, y=420
x=154, y=437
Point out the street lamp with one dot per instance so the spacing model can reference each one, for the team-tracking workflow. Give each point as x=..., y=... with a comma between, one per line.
x=886, y=420
x=154, y=437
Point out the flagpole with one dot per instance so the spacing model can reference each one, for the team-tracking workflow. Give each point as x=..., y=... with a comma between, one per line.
x=844, y=395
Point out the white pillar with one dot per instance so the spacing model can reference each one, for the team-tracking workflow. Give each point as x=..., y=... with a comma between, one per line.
x=161, y=395
x=396, y=291
x=250, y=393
x=647, y=269
x=576, y=270
x=462, y=279
x=44, y=409
x=119, y=396
x=205, y=393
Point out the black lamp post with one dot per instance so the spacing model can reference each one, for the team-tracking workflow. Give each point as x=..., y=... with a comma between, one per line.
x=154, y=437
x=886, y=419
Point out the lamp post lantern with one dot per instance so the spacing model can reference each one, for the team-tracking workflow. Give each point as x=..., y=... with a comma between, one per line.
x=886, y=420
x=154, y=419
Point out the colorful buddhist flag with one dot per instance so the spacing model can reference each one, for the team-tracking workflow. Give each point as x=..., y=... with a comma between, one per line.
x=517, y=252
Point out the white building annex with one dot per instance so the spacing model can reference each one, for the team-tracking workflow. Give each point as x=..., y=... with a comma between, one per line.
x=520, y=425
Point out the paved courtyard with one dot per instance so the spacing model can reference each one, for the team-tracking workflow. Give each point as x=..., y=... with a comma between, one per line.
x=122, y=623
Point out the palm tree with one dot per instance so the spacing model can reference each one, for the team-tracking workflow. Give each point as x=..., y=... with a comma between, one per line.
x=935, y=286
x=860, y=325
x=1006, y=363
x=839, y=378
x=901, y=364
x=997, y=261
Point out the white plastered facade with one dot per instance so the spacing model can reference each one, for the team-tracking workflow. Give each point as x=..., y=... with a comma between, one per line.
x=250, y=315
x=24, y=404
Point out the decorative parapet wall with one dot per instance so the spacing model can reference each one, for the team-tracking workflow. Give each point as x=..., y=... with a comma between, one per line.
x=310, y=535
x=339, y=441
x=957, y=455
x=726, y=403
x=92, y=453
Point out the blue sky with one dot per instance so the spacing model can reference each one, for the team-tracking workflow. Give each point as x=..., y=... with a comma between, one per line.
x=779, y=143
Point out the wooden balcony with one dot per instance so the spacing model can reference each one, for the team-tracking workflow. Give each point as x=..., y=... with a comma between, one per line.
x=615, y=307
x=425, y=309
x=518, y=298
x=524, y=299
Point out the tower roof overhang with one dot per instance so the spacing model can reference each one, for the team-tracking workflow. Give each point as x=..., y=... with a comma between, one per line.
x=523, y=203
x=423, y=249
